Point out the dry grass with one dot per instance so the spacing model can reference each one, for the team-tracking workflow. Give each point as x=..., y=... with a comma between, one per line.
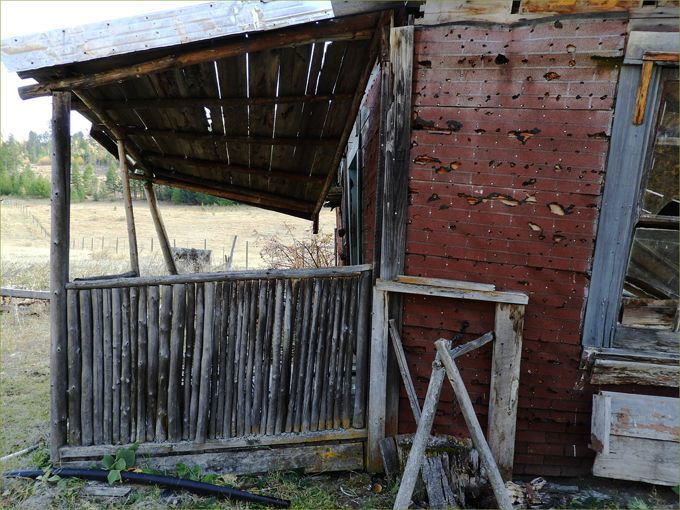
x=187, y=226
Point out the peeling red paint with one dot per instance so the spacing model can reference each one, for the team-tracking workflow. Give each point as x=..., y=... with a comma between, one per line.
x=560, y=210
x=424, y=160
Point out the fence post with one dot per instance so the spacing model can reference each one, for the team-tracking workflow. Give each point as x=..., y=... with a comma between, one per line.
x=116, y=245
x=246, y=255
x=152, y=244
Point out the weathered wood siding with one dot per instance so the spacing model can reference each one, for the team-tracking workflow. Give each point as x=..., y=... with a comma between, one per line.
x=217, y=359
x=510, y=135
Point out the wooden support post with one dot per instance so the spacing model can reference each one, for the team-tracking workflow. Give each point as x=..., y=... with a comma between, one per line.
x=507, y=349
x=417, y=454
x=395, y=137
x=129, y=214
x=160, y=228
x=59, y=254
x=470, y=416
x=378, y=371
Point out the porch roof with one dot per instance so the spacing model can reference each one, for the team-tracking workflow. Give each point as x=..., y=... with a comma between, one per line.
x=250, y=101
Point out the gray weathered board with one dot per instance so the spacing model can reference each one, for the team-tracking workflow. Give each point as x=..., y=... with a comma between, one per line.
x=636, y=437
x=314, y=458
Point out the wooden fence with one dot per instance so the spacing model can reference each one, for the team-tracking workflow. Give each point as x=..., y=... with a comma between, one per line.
x=217, y=355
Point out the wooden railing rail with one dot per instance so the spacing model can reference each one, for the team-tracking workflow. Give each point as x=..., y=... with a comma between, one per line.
x=218, y=277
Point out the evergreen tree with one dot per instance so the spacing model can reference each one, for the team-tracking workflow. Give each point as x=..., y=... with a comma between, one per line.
x=41, y=188
x=26, y=180
x=88, y=179
x=77, y=190
x=113, y=180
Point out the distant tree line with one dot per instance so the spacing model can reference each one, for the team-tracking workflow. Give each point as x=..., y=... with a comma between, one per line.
x=19, y=179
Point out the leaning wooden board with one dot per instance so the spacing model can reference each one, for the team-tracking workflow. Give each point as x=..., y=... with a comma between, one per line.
x=636, y=437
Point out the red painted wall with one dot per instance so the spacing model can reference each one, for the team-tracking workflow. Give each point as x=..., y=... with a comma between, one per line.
x=510, y=136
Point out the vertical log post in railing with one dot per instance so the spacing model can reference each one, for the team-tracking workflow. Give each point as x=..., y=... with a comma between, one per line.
x=59, y=268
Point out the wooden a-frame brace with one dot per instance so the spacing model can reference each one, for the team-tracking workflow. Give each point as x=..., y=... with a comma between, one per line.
x=508, y=327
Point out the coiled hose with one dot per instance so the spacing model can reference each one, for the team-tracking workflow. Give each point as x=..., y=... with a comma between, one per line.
x=208, y=489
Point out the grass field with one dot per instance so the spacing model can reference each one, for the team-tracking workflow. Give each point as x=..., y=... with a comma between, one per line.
x=199, y=227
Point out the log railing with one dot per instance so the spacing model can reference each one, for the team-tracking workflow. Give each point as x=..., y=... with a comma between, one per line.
x=217, y=355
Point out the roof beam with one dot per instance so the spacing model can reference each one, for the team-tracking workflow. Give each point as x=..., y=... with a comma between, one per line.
x=214, y=137
x=179, y=160
x=354, y=109
x=356, y=28
x=247, y=196
x=210, y=102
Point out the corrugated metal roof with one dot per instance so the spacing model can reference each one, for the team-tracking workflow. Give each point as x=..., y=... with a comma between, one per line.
x=156, y=30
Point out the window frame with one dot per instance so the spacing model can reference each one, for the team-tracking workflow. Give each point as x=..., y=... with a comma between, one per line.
x=627, y=170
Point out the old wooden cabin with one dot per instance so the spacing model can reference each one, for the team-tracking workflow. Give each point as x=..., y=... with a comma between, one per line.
x=507, y=166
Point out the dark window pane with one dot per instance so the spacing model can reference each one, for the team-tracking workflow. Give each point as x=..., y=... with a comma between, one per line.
x=661, y=194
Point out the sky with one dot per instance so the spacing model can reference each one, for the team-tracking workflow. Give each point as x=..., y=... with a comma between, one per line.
x=19, y=17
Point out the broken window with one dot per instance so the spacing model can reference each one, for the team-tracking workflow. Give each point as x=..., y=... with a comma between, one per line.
x=650, y=292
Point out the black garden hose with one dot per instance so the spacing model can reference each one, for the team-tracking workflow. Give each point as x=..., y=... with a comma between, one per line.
x=208, y=489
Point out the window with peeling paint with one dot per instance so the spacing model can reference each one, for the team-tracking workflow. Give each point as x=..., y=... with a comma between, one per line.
x=650, y=292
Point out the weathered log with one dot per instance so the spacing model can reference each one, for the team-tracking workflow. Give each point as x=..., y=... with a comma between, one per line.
x=86, y=381
x=267, y=357
x=292, y=288
x=267, y=274
x=107, y=420
x=142, y=364
x=206, y=365
x=74, y=369
x=363, y=335
x=125, y=371
x=245, y=289
x=223, y=347
x=117, y=312
x=134, y=355
x=98, y=366
x=230, y=385
x=197, y=360
x=175, y=373
x=153, y=303
x=309, y=370
x=258, y=366
x=214, y=371
x=276, y=359
x=163, y=362
x=329, y=357
x=188, y=358
x=319, y=357
x=301, y=345
x=349, y=353
x=59, y=269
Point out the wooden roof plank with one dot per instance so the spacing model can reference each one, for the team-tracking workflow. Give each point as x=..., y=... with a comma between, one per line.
x=295, y=61
x=210, y=102
x=264, y=74
x=359, y=27
x=216, y=137
x=232, y=78
x=354, y=110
